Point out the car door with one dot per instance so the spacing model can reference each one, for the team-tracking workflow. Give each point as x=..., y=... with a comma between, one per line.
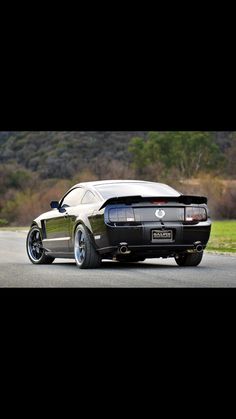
x=58, y=227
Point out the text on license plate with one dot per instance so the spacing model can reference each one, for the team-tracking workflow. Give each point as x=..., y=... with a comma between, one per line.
x=162, y=235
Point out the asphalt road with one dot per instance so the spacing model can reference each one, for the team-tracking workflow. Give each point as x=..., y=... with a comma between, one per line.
x=17, y=271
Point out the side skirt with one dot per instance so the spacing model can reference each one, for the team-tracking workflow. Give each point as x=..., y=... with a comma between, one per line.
x=61, y=255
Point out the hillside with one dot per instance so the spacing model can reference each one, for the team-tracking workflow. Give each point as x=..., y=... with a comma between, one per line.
x=38, y=166
x=61, y=154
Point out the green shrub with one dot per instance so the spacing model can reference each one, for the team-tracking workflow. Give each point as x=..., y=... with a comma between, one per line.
x=3, y=222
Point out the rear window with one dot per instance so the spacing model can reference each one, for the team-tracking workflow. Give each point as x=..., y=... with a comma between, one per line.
x=128, y=189
x=89, y=198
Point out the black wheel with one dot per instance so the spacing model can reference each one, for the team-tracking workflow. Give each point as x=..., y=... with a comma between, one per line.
x=86, y=256
x=34, y=247
x=189, y=259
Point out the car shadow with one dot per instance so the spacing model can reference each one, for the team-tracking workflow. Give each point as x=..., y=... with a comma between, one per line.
x=132, y=265
x=121, y=265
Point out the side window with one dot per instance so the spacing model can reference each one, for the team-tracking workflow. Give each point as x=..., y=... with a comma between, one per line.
x=89, y=198
x=73, y=198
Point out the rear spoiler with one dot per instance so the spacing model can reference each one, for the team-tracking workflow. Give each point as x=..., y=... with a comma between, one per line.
x=128, y=200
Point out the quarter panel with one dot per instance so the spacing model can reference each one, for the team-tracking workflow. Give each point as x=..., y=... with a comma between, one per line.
x=82, y=214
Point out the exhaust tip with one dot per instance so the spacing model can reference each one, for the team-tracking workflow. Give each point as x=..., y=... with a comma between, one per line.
x=123, y=249
x=198, y=246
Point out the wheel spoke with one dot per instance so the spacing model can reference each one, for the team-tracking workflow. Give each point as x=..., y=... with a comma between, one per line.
x=35, y=245
x=80, y=246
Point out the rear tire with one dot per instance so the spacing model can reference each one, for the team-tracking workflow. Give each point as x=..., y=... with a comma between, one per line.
x=189, y=259
x=86, y=256
x=34, y=247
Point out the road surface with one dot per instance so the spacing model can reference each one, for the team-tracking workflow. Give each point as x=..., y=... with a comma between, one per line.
x=17, y=271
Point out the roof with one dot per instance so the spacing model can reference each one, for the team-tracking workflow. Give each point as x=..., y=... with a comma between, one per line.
x=156, y=189
x=112, y=181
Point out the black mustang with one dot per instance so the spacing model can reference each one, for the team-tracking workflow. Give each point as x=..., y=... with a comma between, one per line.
x=125, y=220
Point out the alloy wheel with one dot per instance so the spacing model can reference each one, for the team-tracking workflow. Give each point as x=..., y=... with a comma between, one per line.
x=80, y=247
x=35, y=245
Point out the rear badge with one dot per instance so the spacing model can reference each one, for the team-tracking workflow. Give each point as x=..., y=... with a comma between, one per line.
x=162, y=236
x=160, y=213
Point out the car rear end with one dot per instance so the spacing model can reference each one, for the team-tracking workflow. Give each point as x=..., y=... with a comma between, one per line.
x=155, y=227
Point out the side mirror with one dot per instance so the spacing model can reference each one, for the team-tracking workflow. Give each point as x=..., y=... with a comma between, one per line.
x=54, y=204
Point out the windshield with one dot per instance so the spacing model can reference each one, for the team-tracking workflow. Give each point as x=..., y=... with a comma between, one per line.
x=151, y=189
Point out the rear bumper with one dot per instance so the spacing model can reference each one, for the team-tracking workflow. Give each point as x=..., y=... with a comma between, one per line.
x=151, y=250
x=139, y=238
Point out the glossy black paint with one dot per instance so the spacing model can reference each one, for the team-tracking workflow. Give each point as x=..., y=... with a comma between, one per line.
x=58, y=225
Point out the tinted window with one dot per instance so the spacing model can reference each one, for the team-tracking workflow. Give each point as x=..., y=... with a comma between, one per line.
x=74, y=197
x=144, y=189
x=89, y=198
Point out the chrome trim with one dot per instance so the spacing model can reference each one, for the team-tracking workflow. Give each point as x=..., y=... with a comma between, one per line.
x=57, y=239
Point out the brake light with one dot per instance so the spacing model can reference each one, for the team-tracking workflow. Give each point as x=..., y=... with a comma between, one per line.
x=159, y=202
x=195, y=214
x=121, y=215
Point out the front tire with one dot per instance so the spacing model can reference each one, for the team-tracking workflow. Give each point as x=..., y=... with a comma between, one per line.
x=189, y=259
x=34, y=247
x=86, y=256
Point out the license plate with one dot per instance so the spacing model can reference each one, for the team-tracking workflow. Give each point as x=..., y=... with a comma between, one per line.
x=162, y=235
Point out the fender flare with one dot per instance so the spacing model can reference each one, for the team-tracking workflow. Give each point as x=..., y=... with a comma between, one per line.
x=90, y=234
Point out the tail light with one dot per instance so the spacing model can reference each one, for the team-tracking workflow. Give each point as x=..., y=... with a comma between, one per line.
x=117, y=215
x=195, y=214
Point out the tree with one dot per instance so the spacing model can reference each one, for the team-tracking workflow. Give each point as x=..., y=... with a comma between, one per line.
x=189, y=152
x=138, y=148
x=231, y=157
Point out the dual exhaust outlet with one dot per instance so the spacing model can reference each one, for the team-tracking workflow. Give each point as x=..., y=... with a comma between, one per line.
x=124, y=250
